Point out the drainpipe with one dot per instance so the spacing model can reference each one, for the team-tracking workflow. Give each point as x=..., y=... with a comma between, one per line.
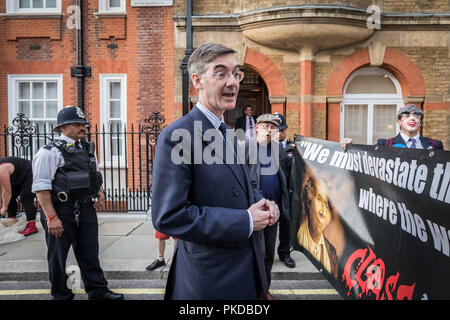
x=184, y=63
x=80, y=71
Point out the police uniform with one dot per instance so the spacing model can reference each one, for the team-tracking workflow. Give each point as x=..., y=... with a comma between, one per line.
x=69, y=169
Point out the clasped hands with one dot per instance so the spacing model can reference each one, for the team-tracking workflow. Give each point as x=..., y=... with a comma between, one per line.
x=264, y=213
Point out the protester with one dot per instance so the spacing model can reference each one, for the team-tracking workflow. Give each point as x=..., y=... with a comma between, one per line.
x=217, y=217
x=15, y=181
x=409, y=119
x=273, y=185
x=247, y=122
x=66, y=179
x=159, y=261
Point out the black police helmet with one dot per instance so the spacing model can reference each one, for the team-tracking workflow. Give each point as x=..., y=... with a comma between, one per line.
x=68, y=115
x=283, y=124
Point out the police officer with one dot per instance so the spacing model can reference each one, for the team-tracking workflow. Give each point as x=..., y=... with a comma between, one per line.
x=65, y=180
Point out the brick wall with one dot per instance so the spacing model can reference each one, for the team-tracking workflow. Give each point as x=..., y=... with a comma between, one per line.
x=139, y=44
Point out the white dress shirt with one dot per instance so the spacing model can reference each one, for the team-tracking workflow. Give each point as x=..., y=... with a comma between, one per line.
x=408, y=143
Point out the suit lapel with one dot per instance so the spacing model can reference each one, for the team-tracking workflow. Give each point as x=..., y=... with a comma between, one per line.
x=425, y=143
x=399, y=140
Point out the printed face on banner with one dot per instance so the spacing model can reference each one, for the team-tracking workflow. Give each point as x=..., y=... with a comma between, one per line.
x=317, y=208
x=317, y=215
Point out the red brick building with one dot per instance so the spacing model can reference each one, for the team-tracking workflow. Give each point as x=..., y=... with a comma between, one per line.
x=129, y=51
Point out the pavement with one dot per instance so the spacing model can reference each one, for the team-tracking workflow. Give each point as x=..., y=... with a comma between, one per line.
x=127, y=245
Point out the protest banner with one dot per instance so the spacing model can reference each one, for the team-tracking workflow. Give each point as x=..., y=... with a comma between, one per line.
x=375, y=220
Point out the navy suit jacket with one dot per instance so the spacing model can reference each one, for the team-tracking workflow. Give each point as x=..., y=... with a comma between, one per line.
x=424, y=140
x=205, y=207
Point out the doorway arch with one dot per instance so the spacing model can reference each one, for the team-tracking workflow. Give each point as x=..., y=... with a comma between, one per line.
x=252, y=91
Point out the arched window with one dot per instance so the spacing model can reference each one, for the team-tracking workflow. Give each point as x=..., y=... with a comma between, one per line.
x=372, y=97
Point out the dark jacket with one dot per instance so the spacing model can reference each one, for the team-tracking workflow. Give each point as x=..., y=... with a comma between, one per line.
x=284, y=169
x=205, y=207
x=427, y=143
x=241, y=122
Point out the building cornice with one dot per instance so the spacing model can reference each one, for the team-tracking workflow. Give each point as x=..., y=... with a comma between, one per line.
x=322, y=14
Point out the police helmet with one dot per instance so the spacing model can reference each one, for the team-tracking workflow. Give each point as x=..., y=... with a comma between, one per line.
x=283, y=124
x=68, y=115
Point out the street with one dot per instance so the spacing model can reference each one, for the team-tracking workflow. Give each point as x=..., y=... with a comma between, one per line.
x=154, y=290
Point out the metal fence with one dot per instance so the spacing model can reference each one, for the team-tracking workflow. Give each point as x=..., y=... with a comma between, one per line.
x=125, y=156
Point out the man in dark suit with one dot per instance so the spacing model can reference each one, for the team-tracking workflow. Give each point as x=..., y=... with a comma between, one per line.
x=210, y=206
x=247, y=122
x=409, y=119
x=272, y=183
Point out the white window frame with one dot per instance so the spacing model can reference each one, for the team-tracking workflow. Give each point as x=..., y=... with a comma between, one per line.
x=370, y=100
x=105, y=79
x=13, y=92
x=12, y=6
x=103, y=7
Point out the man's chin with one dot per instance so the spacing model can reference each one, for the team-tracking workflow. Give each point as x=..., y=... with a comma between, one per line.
x=229, y=105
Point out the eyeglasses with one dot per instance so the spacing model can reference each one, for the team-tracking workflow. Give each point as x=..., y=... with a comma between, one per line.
x=224, y=75
x=409, y=114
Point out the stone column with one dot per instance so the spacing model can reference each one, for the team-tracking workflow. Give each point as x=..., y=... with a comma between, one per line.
x=306, y=93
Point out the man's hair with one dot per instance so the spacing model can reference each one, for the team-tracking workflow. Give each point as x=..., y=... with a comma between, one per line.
x=204, y=55
x=410, y=109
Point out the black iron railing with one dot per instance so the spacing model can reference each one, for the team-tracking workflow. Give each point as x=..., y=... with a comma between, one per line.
x=125, y=156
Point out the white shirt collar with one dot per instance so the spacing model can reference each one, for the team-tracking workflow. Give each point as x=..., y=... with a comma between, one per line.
x=211, y=116
x=406, y=137
x=66, y=138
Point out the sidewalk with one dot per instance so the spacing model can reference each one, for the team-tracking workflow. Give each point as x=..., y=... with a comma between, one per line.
x=127, y=246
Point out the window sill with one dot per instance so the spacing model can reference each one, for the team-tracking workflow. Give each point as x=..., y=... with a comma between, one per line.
x=108, y=14
x=28, y=15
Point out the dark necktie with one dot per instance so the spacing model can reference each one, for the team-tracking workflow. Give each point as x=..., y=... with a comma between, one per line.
x=413, y=143
x=223, y=129
x=250, y=124
x=77, y=144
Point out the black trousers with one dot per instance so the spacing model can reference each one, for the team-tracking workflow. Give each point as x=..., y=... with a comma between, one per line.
x=270, y=237
x=26, y=198
x=284, y=248
x=84, y=240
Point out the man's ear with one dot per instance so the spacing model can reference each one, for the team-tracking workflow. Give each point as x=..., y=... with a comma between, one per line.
x=62, y=128
x=197, y=81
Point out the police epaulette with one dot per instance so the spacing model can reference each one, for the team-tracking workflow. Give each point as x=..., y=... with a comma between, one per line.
x=55, y=143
